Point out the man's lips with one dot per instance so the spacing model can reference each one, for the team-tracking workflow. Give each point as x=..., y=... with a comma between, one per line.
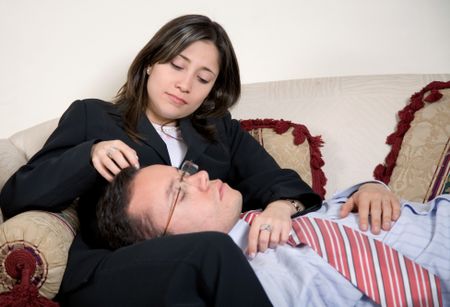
x=221, y=188
x=176, y=99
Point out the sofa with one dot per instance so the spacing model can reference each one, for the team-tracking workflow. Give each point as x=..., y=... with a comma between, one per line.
x=333, y=131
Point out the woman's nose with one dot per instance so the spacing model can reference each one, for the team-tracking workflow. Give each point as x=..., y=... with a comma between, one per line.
x=184, y=84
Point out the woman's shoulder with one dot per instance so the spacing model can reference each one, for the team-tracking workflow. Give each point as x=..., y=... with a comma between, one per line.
x=93, y=105
x=90, y=108
x=225, y=119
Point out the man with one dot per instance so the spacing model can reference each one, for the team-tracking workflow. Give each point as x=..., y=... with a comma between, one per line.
x=159, y=200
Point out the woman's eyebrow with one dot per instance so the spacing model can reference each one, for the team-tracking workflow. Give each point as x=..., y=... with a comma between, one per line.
x=203, y=67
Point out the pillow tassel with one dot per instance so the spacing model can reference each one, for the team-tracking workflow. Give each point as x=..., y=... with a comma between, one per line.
x=20, y=264
x=434, y=96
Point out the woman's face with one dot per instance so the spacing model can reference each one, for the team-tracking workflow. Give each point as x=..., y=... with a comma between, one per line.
x=177, y=88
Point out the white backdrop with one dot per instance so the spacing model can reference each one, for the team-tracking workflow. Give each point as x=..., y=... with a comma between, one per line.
x=55, y=51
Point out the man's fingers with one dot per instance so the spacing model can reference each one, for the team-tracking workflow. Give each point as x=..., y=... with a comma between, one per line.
x=347, y=207
x=387, y=215
x=375, y=216
x=364, y=208
x=395, y=209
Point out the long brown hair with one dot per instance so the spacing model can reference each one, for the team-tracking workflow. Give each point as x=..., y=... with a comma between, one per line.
x=166, y=44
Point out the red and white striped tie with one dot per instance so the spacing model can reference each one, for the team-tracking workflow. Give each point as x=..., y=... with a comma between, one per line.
x=379, y=271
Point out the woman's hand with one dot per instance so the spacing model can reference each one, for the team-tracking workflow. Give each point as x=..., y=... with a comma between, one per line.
x=374, y=201
x=271, y=227
x=109, y=157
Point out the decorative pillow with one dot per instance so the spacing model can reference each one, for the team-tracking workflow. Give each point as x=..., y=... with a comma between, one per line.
x=292, y=146
x=417, y=167
x=34, y=246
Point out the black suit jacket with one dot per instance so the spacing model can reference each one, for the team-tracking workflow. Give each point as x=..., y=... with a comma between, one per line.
x=62, y=171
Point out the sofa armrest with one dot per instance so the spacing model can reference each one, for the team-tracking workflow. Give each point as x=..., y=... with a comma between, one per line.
x=38, y=236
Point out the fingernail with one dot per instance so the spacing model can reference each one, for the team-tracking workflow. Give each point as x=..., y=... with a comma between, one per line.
x=136, y=166
x=386, y=225
x=363, y=227
x=252, y=255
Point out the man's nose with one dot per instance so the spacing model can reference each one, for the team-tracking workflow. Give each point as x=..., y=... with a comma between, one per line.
x=199, y=179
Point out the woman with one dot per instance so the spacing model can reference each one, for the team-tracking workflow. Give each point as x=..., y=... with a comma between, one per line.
x=173, y=107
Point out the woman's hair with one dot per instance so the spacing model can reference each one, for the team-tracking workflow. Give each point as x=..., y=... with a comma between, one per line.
x=166, y=44
x=116, y=226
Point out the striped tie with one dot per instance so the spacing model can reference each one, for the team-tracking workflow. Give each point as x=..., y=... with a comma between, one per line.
x=380, y=272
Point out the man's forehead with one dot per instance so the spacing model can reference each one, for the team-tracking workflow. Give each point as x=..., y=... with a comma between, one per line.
x=151, y=184
x=157, y=170
x=154, y=178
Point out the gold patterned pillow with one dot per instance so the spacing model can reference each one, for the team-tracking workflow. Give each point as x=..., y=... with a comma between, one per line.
x=40, y=241
x=292, y=146
x=417, y=168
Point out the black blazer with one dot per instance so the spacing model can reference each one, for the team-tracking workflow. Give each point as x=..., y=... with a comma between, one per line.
x=62, y=171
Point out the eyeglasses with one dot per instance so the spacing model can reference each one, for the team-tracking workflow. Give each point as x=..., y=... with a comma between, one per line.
x=187, y=168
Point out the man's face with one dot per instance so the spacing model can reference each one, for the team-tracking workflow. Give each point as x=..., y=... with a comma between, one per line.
x=202, y=205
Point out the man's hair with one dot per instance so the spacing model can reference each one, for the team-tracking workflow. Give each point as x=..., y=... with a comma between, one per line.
x=166, y=44
x=116, y=226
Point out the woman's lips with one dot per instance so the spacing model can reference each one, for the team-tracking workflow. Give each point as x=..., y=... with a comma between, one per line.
x=177, y=100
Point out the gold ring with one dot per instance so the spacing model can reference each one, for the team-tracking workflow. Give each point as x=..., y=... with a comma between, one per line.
x=267, y=227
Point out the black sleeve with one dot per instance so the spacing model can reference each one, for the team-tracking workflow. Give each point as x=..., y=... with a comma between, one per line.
x=257, y=175
x=58, y=173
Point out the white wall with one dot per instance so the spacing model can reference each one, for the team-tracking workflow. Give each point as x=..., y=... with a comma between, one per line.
x=55, y=51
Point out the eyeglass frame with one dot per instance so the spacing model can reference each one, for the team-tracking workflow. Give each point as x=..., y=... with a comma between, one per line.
x=187, y=168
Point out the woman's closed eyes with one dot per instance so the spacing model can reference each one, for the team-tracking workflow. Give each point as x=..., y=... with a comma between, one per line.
x=203, y=77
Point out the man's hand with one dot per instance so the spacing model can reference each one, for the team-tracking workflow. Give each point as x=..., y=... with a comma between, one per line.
x=373, y=201
x=271, y=227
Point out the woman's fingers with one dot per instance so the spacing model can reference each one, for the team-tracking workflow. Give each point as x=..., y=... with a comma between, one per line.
x=109, y=157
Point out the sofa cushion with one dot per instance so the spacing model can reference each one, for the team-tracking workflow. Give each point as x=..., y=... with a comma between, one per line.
x=292, y=146
x=417, y=167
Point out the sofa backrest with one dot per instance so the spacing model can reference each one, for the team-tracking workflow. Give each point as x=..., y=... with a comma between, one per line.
x=353, y=115
x=16, y=150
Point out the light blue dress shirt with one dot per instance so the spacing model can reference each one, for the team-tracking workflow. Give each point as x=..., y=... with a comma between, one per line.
x=300, y=277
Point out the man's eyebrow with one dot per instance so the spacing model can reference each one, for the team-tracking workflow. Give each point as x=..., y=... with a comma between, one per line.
x=203, y=67
x=171, y=187
x=169, y=190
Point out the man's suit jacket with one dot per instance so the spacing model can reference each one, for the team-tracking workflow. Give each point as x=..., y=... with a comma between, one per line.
x=62, y=171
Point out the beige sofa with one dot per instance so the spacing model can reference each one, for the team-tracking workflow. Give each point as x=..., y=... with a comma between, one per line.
x=351, y=115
